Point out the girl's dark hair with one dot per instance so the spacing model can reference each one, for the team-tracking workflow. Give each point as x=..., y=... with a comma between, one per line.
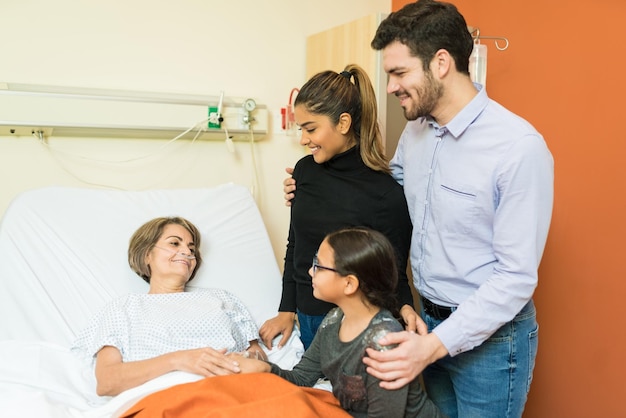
x=145, y=238
x=368, y=255
x=425, y=27
x=330, y=94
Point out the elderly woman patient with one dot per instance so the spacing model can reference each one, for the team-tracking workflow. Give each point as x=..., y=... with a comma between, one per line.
x=138, y=337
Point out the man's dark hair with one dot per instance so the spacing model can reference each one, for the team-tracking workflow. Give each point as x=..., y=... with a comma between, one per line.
x=425, y=27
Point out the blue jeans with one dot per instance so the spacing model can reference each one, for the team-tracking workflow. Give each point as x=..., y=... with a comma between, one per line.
x=308, y=327
x=493, y=379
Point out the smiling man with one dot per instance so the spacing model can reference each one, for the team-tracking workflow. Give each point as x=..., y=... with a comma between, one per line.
x=479, y=185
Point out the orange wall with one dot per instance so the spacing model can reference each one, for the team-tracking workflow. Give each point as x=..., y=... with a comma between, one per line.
x=564, y=72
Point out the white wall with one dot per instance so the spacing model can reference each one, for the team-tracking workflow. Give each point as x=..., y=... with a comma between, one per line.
x=247, y=48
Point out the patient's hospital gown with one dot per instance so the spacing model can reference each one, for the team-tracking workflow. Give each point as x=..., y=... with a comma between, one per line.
x=144, y=326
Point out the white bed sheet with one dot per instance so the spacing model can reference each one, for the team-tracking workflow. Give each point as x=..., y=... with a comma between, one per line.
x=63, y=256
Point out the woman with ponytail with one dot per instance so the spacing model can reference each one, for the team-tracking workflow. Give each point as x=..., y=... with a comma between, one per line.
x=344, y=182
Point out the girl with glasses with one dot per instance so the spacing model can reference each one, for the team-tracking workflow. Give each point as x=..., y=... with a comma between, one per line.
x=354, y=269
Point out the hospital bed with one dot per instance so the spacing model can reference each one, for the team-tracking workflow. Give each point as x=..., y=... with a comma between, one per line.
x=63, y=256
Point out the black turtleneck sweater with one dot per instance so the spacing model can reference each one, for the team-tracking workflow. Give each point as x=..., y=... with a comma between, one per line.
x=339, y=193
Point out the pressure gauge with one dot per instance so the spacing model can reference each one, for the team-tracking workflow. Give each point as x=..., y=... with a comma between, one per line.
x=249, y=105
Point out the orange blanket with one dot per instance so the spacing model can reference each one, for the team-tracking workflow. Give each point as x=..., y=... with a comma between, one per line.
x=259, y=395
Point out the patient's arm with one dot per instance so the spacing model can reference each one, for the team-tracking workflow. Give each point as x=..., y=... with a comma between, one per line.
x=280, y=324
x=255, y=351
x=115, y=376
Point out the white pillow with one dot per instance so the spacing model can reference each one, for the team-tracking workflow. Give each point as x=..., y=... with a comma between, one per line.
x=63, y=253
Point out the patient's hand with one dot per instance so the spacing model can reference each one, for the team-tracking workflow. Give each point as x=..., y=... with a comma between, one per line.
x=289, y=186
x=250, y=364
x=114, y=376
x=206, y=362
x=280, y=324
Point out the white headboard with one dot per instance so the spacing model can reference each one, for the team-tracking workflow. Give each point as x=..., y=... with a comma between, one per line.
x=63, y=253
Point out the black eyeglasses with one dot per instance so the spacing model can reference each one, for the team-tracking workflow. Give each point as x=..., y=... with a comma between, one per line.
x=316, y=266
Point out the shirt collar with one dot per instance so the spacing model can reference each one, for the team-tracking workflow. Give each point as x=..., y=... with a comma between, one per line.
x=467, y=115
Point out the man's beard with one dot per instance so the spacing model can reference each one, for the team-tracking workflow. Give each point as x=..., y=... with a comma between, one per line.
x=428, y=95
